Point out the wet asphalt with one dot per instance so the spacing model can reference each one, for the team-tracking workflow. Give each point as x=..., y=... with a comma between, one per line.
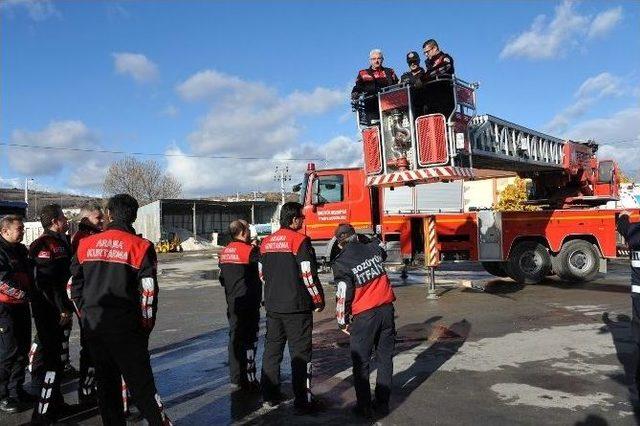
x=500, y=353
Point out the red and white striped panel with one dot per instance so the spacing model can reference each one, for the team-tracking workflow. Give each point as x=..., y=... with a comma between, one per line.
x=432, y=254
x=432, y=174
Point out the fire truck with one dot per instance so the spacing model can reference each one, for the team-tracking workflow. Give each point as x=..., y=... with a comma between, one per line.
x=418, y=143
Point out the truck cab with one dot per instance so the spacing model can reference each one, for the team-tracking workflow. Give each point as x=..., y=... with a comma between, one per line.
x=331, y=197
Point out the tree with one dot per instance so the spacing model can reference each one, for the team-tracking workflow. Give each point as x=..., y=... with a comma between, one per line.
x=513, y=198
x=146, y=181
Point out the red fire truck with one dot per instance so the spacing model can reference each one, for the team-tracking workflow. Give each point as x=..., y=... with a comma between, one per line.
x=418, y=145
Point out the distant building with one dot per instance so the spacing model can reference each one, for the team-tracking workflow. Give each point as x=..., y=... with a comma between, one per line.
x=188, y=217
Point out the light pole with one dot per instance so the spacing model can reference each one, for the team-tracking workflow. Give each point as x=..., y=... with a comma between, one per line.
x=282, y=174
x=26, y=196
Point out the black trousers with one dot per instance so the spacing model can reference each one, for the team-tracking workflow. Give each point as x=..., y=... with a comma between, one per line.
x=86, y=381
x=294, y=328
x=127, y=355
x=47, y=376
x=243, y=338
x=373, y=330
x=635, y=331
x=15, y=337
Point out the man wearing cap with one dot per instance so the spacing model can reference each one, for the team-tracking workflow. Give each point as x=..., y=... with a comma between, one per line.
x=416, y=73
x=364, y=309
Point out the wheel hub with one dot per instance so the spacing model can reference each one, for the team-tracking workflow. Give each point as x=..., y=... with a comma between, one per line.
x=579, y=260
x=530, y=262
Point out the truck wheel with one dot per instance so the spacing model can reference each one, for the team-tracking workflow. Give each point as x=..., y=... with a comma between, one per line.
x=529, y=262
x=578, y=261
x=495, y=268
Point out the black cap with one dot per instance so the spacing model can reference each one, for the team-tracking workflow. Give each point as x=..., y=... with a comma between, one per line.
x=413, y=58
x=344, y=231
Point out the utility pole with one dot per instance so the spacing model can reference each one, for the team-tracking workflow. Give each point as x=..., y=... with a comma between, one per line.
x=282, y=174
x=26, y=196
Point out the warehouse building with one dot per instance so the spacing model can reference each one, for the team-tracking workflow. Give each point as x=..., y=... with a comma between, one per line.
x=187, y=218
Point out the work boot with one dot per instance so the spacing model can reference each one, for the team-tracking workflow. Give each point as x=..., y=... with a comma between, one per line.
x=362, y=412
x=380, y=407
x=9, y=405
x=274, y=400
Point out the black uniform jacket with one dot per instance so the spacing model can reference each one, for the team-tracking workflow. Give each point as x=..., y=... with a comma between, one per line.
x=370, y=81
x=51, y=253
x=631, y=233
x=84, y=230
x=415, y=80
x=362, y=281
x=441, y=65
x=114, y=283
x=239, y=276
x=290, y=273
x=16, y=273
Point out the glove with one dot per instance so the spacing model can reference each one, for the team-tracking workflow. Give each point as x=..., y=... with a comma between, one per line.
x=318, y=306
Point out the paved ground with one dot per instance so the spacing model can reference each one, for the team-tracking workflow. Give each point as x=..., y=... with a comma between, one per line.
x=543, y=354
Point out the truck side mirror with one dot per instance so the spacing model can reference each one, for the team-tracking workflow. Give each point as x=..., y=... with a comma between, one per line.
x=296, y=187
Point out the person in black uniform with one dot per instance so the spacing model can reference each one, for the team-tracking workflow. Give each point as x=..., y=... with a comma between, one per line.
x=439, y=64
x=243, y=289
x=416, y=73
x=415, y=77
x=16, y=279
x=631, y=233
x=369, y=81
x=292, y=291
x=91, y=221
x=114, y=286
x=52, y=309
x=364, y=309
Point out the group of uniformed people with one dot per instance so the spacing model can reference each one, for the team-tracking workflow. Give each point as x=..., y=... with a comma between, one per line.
x=285, y=266
x=107, y=277
x=369, y=81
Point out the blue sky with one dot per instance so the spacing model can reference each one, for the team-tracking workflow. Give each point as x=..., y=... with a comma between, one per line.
x=271, y=80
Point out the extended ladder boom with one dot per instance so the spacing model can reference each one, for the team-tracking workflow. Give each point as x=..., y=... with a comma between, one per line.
x=501, y=145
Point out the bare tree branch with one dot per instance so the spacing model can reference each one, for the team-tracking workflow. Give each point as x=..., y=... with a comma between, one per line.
x=146, y=181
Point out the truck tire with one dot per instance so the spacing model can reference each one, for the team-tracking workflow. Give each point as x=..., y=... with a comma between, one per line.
x=577, y=261
x=495, y=268
x=529, y=262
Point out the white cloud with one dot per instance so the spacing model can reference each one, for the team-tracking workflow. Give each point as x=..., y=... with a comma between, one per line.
x=568, y=29
x=58, y=134
x=89, y=175
x=250, y=119
x=38, y=10
x=618, y=136
x=604, y=22
x=594, y=88
x=205, y=176
x=11, y=183
x=136, y=65
x=170, y=111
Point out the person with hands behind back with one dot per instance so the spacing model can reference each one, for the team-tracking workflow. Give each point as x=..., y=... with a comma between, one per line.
x=364, y=310
x=115, y=289
x=292, y=292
